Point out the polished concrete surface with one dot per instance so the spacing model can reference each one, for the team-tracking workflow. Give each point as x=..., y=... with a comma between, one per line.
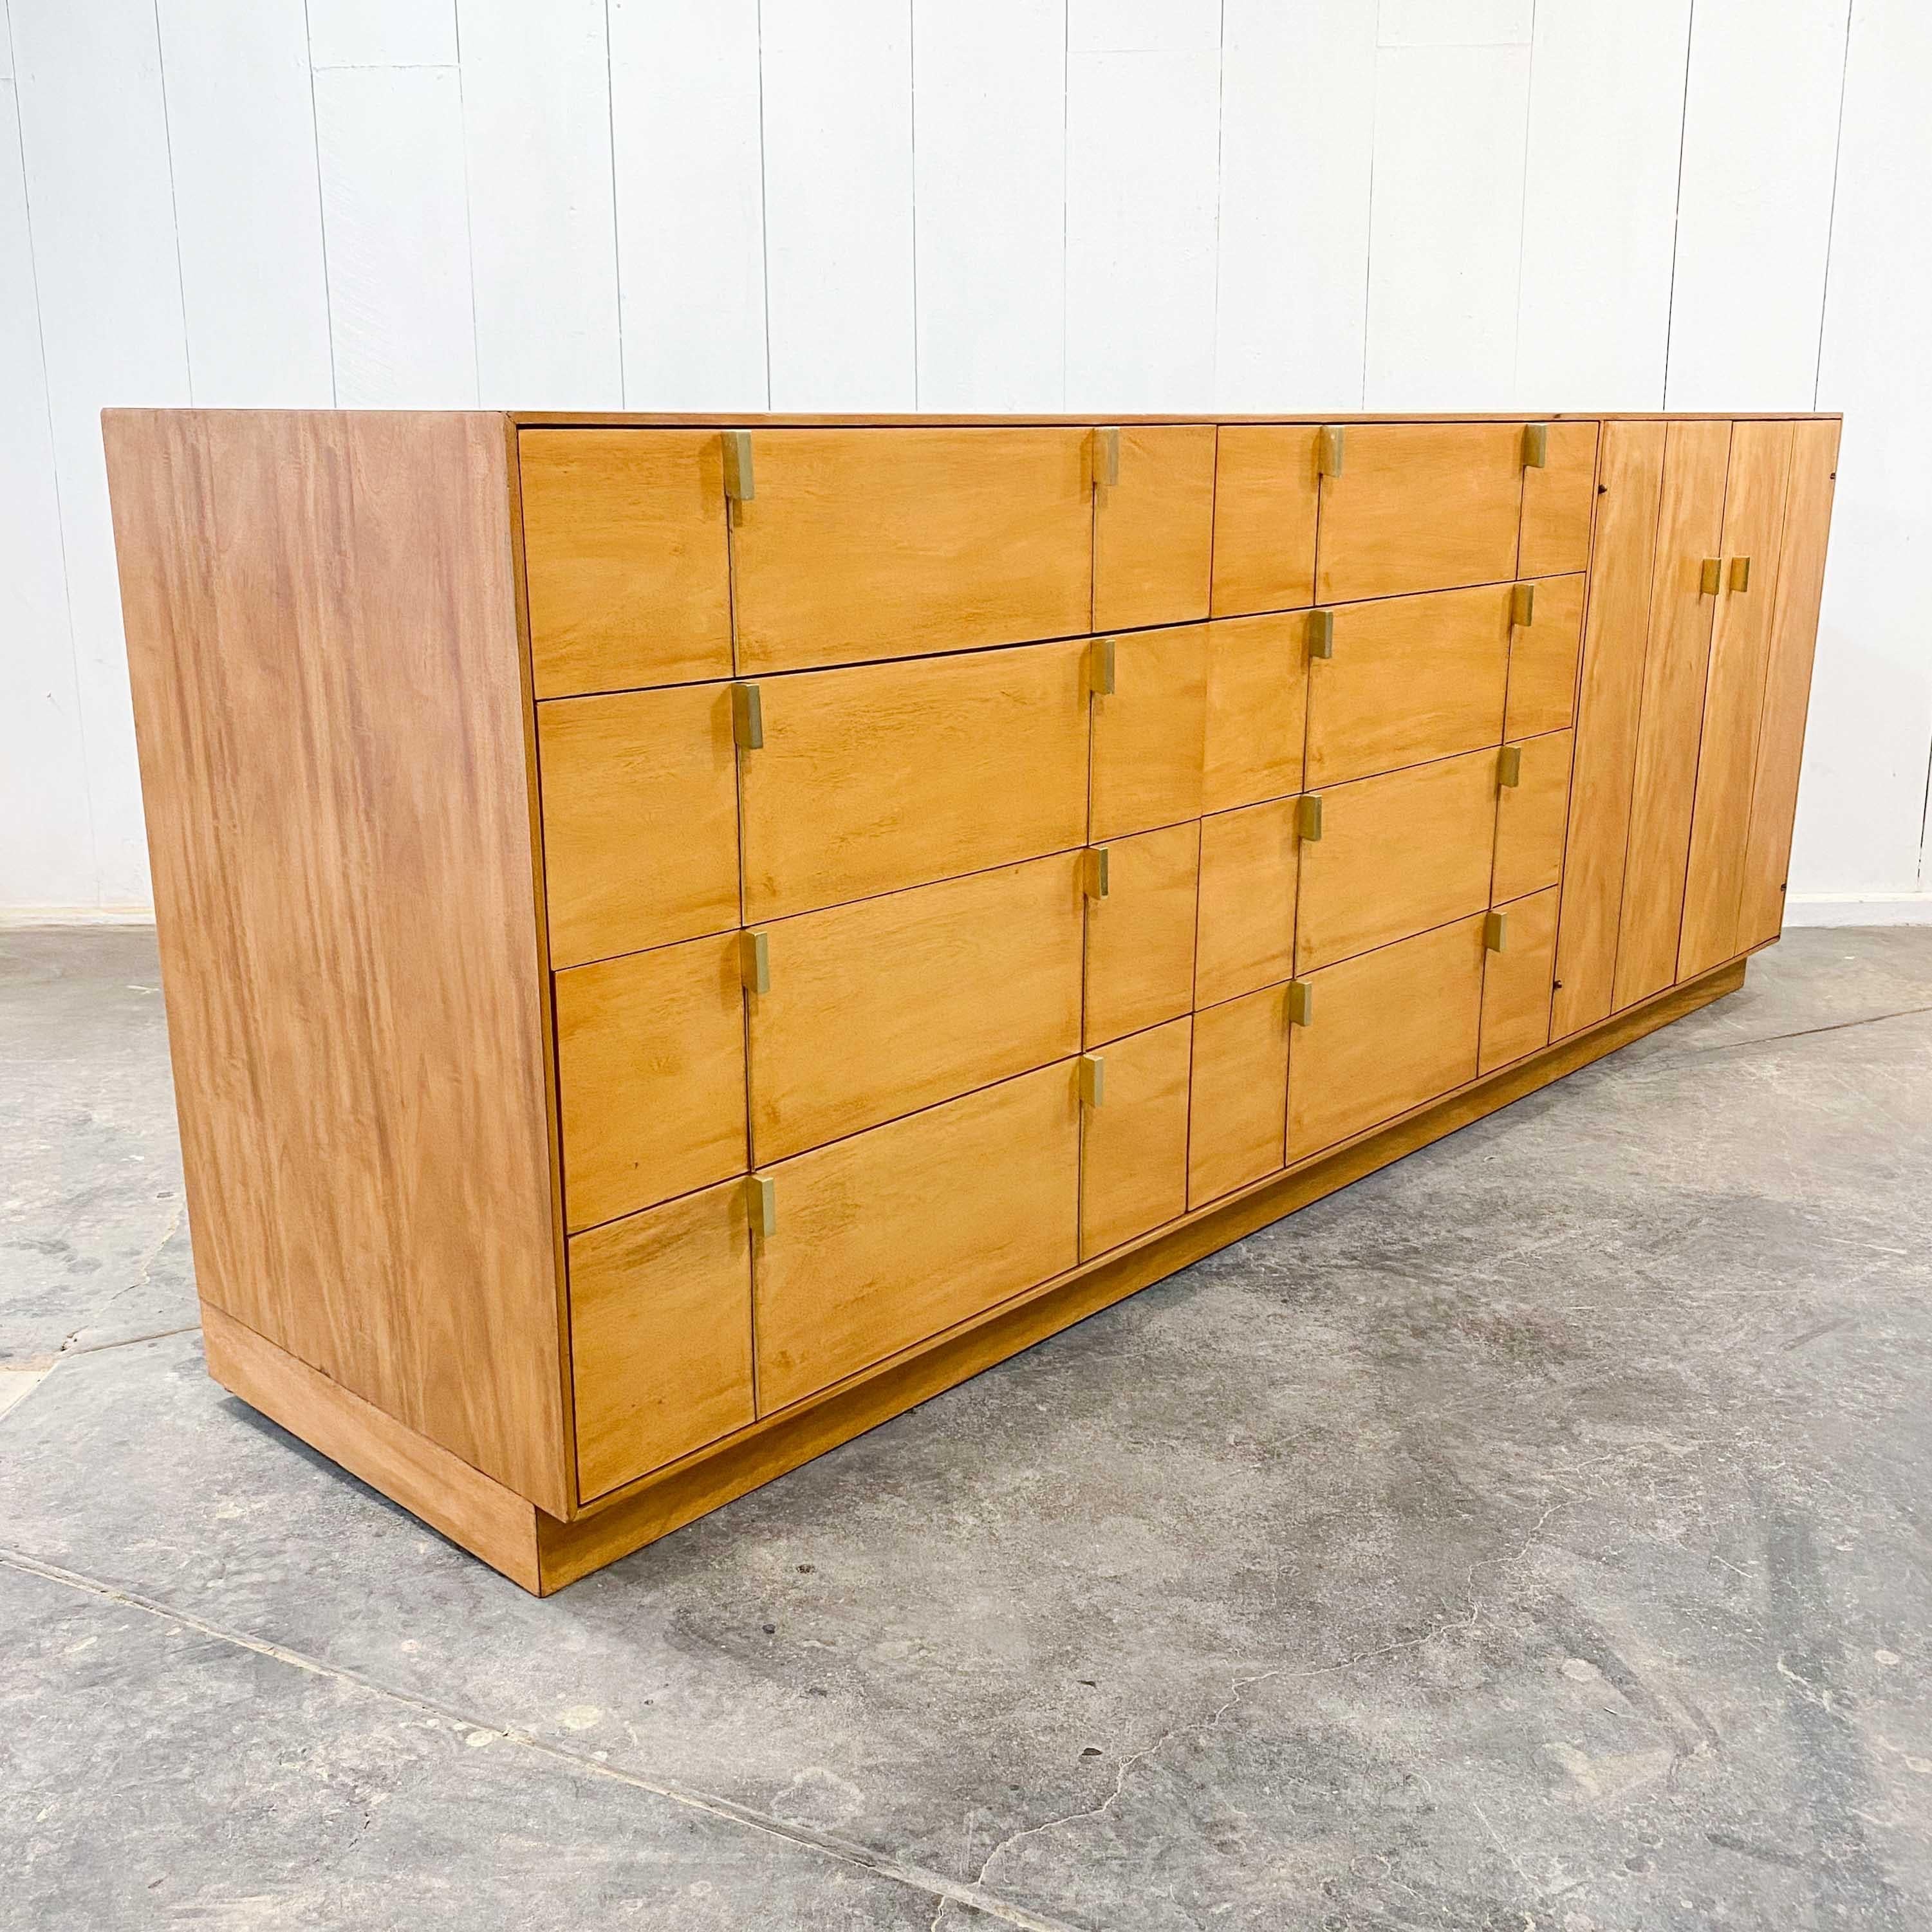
x=1537, y=1534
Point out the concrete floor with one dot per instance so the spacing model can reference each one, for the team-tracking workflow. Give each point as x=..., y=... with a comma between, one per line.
x=1536, y=1535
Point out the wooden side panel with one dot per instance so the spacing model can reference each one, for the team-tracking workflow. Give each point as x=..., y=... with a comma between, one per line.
x=1690, y=523
x=1760, y=469
x=1531, y=818
x=1517, y=983
x=1265, y=494
x=1154, y=530
x=1149, y=732
x=1542, y=659
x=625, y=556
x=893, y=1235
x=660, y=1335
x=877, y=1008
x=1140, y=937
x=1237, y=1113
x=329, y=702
x=884, y=776
x=650, y=1077
x=1616, y=632
x=1133, y=1145
x=1557, y=502
x=1257, y=710
x=1794, y=636
x=886, y=543
x=1245, y=930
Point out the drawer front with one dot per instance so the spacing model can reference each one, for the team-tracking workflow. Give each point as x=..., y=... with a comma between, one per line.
x=639, y=820
x=1387, y=1031
x=860, y=543
x=1411, y=679
x=1265, y=493
x=1419, y=506
x=1245, y=933
x=1154, y=529
x=1237, y=1110
x=625, y=557
x=1518, y=980
x=1542, y=659
x=874, y=779
x=1531, y=818
x=650, y=1076
x=1140, y=937
x=1257, y=710
x=1557, y=503
x=660, y=1336
x=1148, y=732
x=1133, y=1144
x=880, y=1008
x=891, y=1236
x=1397, y=854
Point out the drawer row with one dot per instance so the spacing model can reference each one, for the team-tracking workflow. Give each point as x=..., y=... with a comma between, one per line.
x=671, y=814
x=658, y=557
x=691, y=1319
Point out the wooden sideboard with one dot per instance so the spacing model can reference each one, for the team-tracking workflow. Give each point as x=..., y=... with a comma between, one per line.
x=683, y=939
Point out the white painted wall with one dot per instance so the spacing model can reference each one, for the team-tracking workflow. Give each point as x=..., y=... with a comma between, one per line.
x=1086, y=204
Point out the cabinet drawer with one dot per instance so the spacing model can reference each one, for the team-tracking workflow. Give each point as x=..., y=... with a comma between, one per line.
x=1419, y=506
x=1518, y=981
x=882, y=1007
x=1153, y=528
x=887, y=543
x=1412, y=678
x=1238, y=1088
x=1557, y=501
x=1133, y=1144
x=1397, y=854
x=873, y=779
x=883, y=1240
x=1257, y=710
x=1543, y=658
x=1265, y=492
x=660, y=1335
x=1148, y=731
x=640, y=819
x=1245, y=932
x=1531, y=819
x=1387, y=1031
x=625, y=557
x=1140, y=937
x=650, y=1076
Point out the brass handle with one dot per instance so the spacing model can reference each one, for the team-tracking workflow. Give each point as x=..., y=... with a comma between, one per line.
x=1093, y=1079
x=1328, y=450
x=1509, y=765
x=739, y=485
x=1322, y=634
x=1096, y=885
x=1523, y=604
x=1710, y=578
x=1308, y=816
x=747, y=718
x=754, y=961
x=761, y=1204
x=1107, y=456
x=1495, y=931
x=1100, y=667
x=1535, y=445
x=1300, y=1002
x=1740, y=573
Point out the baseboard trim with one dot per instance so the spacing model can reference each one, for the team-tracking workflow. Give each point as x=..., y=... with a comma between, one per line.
x=1858, y=909
x=39, y=915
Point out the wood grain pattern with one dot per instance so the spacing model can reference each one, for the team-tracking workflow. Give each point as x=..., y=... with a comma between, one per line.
x=1531, y=817
x=862, y=544
x=1140, y=938
x=1133, y=1146
x=328, y=698
x=1257, y=714
x=1517, y=981
x=1265, y=495
x=873, y=779
x=625, y=558
x=1616, y=633
x=1558, y=500
x=1542, y=660
x=1150, y=731
x=1245, y=930
x=894, y=1004
x=1154, y=530
x=1238, y=1109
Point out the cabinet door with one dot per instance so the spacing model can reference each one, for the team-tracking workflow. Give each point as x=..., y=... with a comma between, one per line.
x=1794, y=635
x=1412, y=678
x=1133, y=1140
x=1396, y=854
x=1153, y=528
x=640, y=819
x=1558, y=500
x=1419, y=506
x=1760, y=466
x=1148, y=732
x=860, y=543
x=1543, y=658
x=1257, y=710
x=884, y=776
x=1265, y=492
x=878, y=1008
x=660, y=1336
x=624, y=557
x=1238, y=1107
x=1386, y=1031
x=1690, y=523
x=1516, y=981
x=1245, y=936
x=1140, y=937
x=650, y=1077
x=890, y=1237
x=1616, y=631
x=1531, y=816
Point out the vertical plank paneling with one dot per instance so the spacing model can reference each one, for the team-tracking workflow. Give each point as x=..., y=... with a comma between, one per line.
x=381, y=33
x=989, y=94
x=536, y=120
x=690, y=203
x=838, y=216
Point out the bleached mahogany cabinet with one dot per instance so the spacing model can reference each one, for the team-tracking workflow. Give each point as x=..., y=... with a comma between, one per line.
x=682, y=939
